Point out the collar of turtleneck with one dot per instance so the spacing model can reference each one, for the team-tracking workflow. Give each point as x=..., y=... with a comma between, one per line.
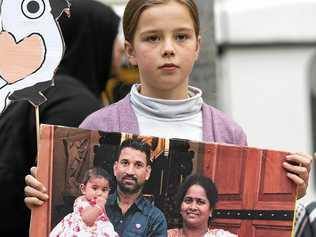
x=167, y=109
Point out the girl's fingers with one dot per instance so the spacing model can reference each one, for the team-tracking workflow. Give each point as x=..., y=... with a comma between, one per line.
x=32, y=202
x=34, y=171
x=301, y=184
x=34, y=183
x=301, y=171
x=35, y=193
x=300, y=159
x=298, y=166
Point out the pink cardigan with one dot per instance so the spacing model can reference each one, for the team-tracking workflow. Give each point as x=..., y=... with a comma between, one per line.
x=120, y=117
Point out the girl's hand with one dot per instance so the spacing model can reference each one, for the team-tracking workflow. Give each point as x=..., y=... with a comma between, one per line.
x=35, y=192
x=298, y=166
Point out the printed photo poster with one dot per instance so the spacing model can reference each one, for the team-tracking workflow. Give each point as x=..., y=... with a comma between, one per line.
x=256, y=199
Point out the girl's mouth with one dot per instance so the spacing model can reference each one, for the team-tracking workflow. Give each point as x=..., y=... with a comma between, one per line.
x=169, y=67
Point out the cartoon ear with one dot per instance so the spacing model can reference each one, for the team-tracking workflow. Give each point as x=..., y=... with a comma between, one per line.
x=58, y=7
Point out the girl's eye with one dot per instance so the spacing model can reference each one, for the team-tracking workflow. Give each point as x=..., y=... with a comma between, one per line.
x=106, y=189
x=152, y=38
x=33, y=9
x=181, y=37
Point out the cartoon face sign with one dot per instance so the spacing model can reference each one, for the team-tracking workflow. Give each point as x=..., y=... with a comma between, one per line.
x=31, y=47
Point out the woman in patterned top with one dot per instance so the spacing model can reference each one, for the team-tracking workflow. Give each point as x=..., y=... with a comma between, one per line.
x=197, y=197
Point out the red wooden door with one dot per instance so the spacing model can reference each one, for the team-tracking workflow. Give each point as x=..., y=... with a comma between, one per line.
x=256, y=198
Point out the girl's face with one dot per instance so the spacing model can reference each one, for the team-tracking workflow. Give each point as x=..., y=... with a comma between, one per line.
x=96, y=187
x=165, y=48
x=195, y=207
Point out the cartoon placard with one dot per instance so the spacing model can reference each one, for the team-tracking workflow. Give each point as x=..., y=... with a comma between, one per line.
x=31, y=47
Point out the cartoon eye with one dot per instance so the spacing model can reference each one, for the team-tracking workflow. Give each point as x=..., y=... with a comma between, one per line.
x=33, y=8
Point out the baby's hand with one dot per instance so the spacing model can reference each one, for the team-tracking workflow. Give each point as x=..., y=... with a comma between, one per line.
x=100, y=201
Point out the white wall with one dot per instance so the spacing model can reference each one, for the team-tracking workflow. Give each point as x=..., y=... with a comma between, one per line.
x=266, y=91
x=263, y=73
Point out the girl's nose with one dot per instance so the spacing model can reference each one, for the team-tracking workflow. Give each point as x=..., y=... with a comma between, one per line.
x=168, y=48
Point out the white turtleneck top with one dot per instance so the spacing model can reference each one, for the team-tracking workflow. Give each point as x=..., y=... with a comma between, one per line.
x=169, y=118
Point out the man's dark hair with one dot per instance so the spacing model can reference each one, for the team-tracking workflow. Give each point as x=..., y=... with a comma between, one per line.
x=138, y=145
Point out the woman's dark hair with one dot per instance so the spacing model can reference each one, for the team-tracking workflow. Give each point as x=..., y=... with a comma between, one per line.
x=96, y=172
x=206, y=183
x=89, y=36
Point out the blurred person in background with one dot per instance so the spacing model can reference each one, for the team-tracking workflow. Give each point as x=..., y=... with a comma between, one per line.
x=305, y=220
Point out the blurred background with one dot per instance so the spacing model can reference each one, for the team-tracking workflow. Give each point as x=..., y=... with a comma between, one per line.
x=258, y=65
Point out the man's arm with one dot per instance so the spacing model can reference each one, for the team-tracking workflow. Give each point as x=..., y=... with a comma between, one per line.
x=158, y=224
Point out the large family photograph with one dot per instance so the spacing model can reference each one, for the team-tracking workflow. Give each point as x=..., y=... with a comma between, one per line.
x=249, y=193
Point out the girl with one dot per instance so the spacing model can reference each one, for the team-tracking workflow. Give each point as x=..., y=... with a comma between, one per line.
x=163, y=41
x=88, y=218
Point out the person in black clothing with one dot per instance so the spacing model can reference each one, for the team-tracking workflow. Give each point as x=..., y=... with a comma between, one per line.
x=305, y=220
x=89, y=37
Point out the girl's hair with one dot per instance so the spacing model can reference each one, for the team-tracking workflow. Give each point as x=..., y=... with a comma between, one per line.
x=135, y=8
x=96, y=172
x=206, y=183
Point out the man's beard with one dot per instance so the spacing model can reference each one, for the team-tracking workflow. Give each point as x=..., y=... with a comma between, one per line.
x=130, y=189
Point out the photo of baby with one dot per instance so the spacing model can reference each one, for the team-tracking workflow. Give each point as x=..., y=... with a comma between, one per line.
x=88, y=218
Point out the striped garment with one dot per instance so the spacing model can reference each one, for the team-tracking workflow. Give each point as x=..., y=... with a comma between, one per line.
x=305, y=220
